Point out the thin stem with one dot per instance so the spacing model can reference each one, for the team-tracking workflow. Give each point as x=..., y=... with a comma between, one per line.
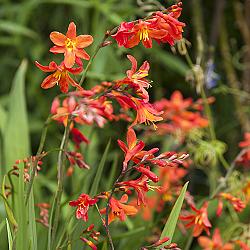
x=60, y=177
x=34, y=164
x=228, y=174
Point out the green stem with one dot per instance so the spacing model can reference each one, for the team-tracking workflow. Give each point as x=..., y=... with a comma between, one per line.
x=34, y=164
x=60, y=176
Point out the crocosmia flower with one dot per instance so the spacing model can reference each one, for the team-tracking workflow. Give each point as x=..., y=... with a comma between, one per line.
x=60, y=76
x=199, y=220
x=215, y=243
x=83, y=203
x=71, y=45
x=117, y=209
x=132, y=148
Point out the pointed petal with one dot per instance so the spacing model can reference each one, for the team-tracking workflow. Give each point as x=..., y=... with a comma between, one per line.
x=131, y=138
x=134, y=66
x=64, y=85
x=82, y=54
x=57, y=49
x=133, y=41
x=71, y=33
x=83, y=41
x=49, y=82
x=52, y=66
x=58, y=38
x=73, y=83
x=69, y=58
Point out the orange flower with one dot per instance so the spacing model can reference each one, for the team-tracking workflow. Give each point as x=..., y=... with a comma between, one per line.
x=119, y=210
x=246, y=191
x=199, y=220
x=140, y=185
x=161, y=27
x=215, y=243
x=145, y=113
x=71, y=45
x=132, y=147
x=237, y=203
x=60, y=76
x=83, y=203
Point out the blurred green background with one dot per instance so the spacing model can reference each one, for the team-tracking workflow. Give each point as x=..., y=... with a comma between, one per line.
x=217, y=31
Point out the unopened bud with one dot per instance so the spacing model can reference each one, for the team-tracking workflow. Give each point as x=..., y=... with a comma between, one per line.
x=106, y=43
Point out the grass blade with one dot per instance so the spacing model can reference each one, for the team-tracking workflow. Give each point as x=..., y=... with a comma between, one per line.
x=10, y=238
x=16, y=136
x=170, y=225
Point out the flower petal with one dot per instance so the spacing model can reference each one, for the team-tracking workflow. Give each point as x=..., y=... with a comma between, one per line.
x=58, y=38
x=82, y=54
x=83, y=41
x=49, y=82
x=69, y=58
x=71, y=33
x=57, y=49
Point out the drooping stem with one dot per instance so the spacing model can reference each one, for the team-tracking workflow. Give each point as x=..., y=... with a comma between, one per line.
x=34, y=164
x=60, y=176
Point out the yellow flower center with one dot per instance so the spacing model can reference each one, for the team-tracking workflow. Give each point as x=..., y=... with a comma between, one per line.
x=57, y=75
x=70, y=45
x=143, y=34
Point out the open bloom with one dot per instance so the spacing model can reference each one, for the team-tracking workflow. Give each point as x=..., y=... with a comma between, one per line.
x=215, y=243
x=71, y=45
x=117, y=209
x=164, y=28
x=59, y=76
x=132, y=148
x=199, y=220
x=83, y=203
x=140, y=185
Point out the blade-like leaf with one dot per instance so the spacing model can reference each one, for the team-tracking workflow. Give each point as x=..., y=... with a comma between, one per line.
x=10, y=238
x=94, y=187
x=16, y=136
x=8, y=209
x=170, y=225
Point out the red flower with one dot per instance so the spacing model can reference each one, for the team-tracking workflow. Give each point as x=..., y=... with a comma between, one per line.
x=246, y=142
x=145, y=113
x=119, y=210
x=60, y=76
x=83, y=203
x=161, y=27
x=199, y=220
x=140, y=185
x=146, y=171
x=237, y=203
x=132, y=147
x=71, y=45
x=78, y=137
x=215, y=243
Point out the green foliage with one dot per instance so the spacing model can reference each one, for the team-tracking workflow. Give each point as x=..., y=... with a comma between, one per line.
x=170, y=225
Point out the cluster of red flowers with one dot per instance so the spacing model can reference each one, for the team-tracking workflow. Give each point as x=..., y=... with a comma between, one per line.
x=180, y=115
x=163, y=28
x=135, y=159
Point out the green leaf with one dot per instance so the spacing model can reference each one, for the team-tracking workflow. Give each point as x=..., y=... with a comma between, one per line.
x=10, y=238
x=170, y=225
x=17, y=29
x=98, y=175
x=16, y=136
x=8, y=209
x=22, y=238
x=32, y=221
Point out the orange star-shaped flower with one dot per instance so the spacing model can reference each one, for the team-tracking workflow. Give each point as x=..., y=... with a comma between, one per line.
x=71, y=45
